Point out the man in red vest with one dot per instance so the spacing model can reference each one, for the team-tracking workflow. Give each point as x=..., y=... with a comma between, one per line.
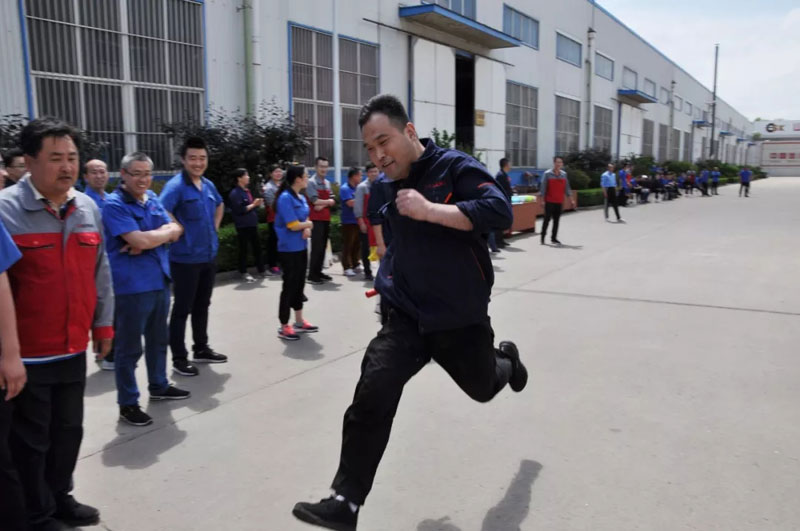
x=554, y=189
x=320, y=199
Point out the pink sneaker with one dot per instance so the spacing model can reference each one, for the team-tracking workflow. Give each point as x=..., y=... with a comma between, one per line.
x=287, y=333
x=305, y=327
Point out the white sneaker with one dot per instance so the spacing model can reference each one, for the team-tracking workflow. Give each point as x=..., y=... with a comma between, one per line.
x=349, y=273
x=247, y=277
x=107, y=365
x=620, y=220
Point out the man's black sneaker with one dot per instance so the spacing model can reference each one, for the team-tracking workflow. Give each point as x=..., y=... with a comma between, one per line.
x=207, y=355
x=51, y=524
x=329, y=513
x=325, y=277
x=134, y=416
x=368, y=276
x=184, y=368
x=171, y=393
x=555, y=241
x=519, y=375
x=75, y=514
x=315, y=281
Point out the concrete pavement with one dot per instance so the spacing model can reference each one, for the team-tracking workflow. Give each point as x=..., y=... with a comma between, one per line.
x=664, y=394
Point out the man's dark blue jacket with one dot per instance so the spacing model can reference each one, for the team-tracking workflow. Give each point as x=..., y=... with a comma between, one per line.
x=443, y=277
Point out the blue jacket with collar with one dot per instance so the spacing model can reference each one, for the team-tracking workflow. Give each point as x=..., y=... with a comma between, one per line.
x=443, y=277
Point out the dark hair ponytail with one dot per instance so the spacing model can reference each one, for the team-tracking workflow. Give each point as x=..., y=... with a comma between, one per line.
x=292, y=174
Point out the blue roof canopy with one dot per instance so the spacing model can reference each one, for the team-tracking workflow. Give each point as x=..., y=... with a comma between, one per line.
x=439, y=18
x=635, y=96
x=701, y=123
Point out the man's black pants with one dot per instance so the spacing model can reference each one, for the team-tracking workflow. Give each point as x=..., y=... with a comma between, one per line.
x=319, y=241
x=12, y=499
x=192, y=287
x=248, y=236
x=46, y=433
x=611, y=199
x=365, y=253
x=396, y=354
x=551, y=211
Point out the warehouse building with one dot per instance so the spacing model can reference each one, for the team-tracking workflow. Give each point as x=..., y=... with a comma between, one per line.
x=526, y=79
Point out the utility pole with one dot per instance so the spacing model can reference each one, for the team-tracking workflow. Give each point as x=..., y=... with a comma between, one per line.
x=714, y=106
x=337, y=107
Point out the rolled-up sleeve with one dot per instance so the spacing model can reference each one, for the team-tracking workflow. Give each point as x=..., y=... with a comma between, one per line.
x=481, y=199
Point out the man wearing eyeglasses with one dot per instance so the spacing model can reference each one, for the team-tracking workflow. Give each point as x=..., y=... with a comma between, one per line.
x=14, y=160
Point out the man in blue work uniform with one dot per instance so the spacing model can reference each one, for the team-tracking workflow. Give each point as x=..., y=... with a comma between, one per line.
x=138, y=230
x=435, y=278
x=744, y=179
x=608, y=181
x=193, y=201
x=715, y=181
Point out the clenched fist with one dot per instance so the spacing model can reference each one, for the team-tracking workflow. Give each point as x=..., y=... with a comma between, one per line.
x=411, y=203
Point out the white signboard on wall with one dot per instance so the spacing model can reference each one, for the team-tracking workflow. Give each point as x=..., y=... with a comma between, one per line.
x=777, y=128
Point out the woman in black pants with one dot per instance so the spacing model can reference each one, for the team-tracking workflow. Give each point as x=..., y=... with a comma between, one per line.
x=293, y=229
x=245, y=217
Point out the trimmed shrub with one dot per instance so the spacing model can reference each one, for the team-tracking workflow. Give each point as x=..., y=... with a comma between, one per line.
x=578, y=179
x=590, y=197
x=228, y=256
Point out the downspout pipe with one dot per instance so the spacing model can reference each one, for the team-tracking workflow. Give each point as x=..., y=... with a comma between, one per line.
x=337, y=107
x=589, y=74
x=671, y=132
x=619, y=127
x=249, y=57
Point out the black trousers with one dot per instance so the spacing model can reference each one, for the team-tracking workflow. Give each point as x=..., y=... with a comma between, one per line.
x=46, y=433
x=319, y=240
x=611, y=199
x=396, y=354
x=12, y=499
x=272, y=247
x=744, y=187
x=294, y=280
x=365, y=253
x=551, y=211
x=248, y=236
x=714, y=187
x=192, y=286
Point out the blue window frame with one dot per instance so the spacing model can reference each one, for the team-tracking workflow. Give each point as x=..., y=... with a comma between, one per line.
x=568, y=50
x=521, y=26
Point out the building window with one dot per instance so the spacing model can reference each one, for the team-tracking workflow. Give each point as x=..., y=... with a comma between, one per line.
x=568, y=50
x=630, y=79
x=663, y=142
x=522, y=118
x=462, y=7
x=678, y=102
x=664, y=96
x=602, y=128
x=80, y=74
x=687, y=147
x=521, y=26
x=650, y=88
x=689, y=108
x=675, y=146
x=647, y=138
x=603, y=66
x=312, y=89
x=358, y=82
x=568, y=123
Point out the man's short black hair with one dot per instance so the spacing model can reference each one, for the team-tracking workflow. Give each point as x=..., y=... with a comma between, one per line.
x=320, y=158
x=192, y=142
x=10, y=155
x=558, y=157
x=369, y=166
x=32, y=135
x=238, y=172
x=503, y=162
x=384, y=104
x=352, y=172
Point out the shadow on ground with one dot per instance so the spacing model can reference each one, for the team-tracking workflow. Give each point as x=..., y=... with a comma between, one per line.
x=509, y=513
x=306, y=349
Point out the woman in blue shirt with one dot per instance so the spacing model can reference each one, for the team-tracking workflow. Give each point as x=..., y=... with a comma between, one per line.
x=293, y=229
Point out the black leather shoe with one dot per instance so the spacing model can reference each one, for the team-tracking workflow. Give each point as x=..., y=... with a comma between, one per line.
x=329, y=513
x=519, y=375
x=72, y=513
